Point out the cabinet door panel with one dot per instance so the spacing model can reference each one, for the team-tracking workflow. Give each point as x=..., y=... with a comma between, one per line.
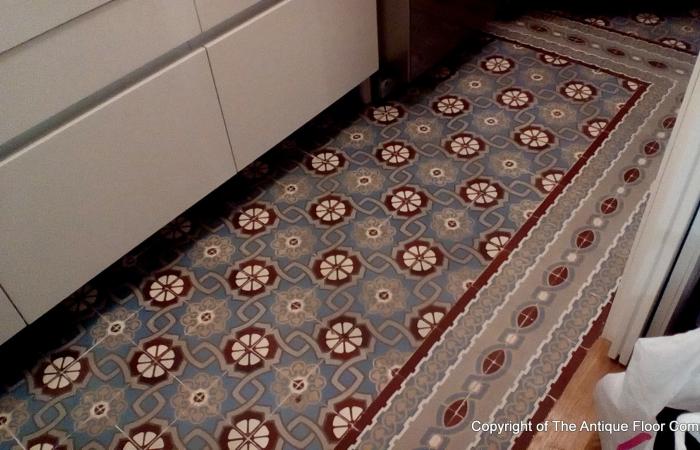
x=46, y=75
x=281, y=68
x=22, y=20
x=78, y=199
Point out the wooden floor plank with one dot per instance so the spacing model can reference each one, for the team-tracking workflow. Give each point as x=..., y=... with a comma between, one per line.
x=576, y=403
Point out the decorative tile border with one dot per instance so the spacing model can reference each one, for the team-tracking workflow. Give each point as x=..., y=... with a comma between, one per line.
x=513, y=243
x=541, y=375
x=647, y=20
x=398, y=404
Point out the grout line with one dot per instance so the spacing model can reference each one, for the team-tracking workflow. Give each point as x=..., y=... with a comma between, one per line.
x=152, y=441
x=112, y=422
x=85, y=353
x=138, y=347
x=16, y=439
x=128, y=438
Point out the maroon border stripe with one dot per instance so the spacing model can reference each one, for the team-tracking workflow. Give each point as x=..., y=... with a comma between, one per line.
x=418, y=354
x=624, y=33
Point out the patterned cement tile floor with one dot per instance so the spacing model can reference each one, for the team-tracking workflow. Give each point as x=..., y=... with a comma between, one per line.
x=383, y=279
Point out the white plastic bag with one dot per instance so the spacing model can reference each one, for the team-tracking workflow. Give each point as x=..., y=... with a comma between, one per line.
x=664, y=371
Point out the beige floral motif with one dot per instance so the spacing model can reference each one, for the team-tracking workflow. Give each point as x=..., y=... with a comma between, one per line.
x=364, y=181
x=384, y=296
x=497, y=64
x=675, y=43
x=295, y=306
x=558, y=114
x=613, y=105
x=482, y=192
x=509, y=164
x=521, y=212
x=515, y=98
x=330, y=209
x=385, y=368
x=460, y=281
x=465, y=145
x=476, y=84
x=293, y=242
x=578, y=91
x=599, y=21
x=684, y=28
x=422, y=129
x=212, y=252
x=538, y=76
x=292, y=189
x=116, y=328
x=199, y=398
x=373, y=233
x=336, y=267
x=491, y=122
x=99, y=410
x=450, y=105
x=356, y=136
x=206, y=317
x=451, y=224
x=595, y=127
x=406, y=201
x=386, y=114
x=299, y=385
x=554, y=60
x=437, y=173
x=647, y=18
x=13, y=414
x=573, y=154
x=534, y=137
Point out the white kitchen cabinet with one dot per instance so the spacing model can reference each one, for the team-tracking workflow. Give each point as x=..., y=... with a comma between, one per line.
x=95, y=181
x=81, y=197
x=57, y=69
x=281, y=68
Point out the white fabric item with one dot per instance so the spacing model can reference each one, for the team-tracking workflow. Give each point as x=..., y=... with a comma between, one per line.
x=664, y=371
x=679, y=436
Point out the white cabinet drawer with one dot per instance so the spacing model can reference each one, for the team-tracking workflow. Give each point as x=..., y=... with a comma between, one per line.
x=78, y=199
x=281, y=68
x=213, y=12
x=44, y=76
x=10, y=321
x=22, y=20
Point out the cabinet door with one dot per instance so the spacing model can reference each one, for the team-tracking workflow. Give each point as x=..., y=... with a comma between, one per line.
x=22, y=20
x=10, y=321
x=46, y=75
x=78, y=199
x=278, y=70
